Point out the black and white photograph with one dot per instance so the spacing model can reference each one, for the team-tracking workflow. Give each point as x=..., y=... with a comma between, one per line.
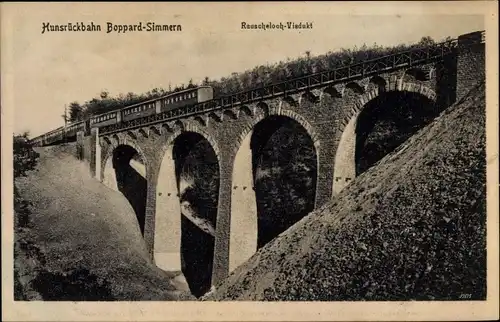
x=249, y=160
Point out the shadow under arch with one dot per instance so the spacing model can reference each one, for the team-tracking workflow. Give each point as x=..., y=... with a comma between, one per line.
x=186, y=209
x=386, y=122
x=129, y=178
x=274, y=184
x=382, y=124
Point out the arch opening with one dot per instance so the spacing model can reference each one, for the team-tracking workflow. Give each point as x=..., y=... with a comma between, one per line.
x=417, y=74
x=196, y=171
x=378, y=83
x=284, y=170
x=130, y=179
x=355, y=87
x=386, y=122
x=333, y=92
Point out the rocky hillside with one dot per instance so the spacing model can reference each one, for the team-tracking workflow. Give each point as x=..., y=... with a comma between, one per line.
x=410, y=228
x=77, y=240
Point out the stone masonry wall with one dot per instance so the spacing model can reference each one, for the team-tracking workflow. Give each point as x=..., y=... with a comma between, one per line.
x=324, y=113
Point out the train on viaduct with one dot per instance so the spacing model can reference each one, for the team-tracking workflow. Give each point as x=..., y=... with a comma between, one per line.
x=329, y=106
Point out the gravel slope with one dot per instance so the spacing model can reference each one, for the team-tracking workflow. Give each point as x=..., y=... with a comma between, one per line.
x=410, y=228
x=76, y=222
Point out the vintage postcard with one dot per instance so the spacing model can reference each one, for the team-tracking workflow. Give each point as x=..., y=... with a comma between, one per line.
x=241, y=161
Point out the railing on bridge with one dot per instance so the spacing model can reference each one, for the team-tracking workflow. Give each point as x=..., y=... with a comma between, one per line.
x=363, y=69
x=341, y=74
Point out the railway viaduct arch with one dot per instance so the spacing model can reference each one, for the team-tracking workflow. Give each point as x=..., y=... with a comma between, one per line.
x=327, y=111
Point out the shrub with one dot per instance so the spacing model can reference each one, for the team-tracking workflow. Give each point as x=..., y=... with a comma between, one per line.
x=77, y=285
x=25, y=158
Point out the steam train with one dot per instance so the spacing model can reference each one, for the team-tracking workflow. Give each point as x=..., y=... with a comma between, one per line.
x=155, y=106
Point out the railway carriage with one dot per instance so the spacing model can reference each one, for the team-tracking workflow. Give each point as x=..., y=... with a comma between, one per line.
x=138, y=110
x=50, y=137
x=74, y=128
x=186, y=97
x=105, y=119
x=166, y=103
x=155, y=106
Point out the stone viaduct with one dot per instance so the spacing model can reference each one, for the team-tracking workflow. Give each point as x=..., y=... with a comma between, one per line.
x=327, y=106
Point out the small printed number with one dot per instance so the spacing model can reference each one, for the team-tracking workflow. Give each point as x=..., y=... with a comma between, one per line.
x=465, y=296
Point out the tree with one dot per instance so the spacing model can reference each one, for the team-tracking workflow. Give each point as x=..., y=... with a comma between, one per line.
x=104, y=94
x=75, y=112
x=426, y=41
x=130, y=96
x=25, y=158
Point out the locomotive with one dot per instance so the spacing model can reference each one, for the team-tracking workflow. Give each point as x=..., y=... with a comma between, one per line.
x=155, y=106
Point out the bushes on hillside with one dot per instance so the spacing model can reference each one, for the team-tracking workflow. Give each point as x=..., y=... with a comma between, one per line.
x=25, y=158
x=75, y=285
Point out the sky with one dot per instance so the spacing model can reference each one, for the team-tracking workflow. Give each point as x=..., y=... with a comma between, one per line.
x=44, y=72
